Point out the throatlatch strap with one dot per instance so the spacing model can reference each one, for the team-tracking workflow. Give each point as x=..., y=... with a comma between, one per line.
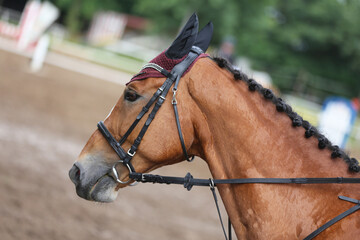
x=195, y=51
x=180, y=133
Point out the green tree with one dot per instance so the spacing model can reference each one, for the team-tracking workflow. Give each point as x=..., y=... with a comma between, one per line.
x=312, y=41
x=230, y=17
x=320, y=36
x=290, y=39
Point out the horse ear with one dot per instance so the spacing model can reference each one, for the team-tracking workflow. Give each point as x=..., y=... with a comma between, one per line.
x=204, y=37
x=185, y=40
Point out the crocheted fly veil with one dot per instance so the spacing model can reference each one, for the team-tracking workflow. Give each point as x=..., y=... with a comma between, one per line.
x=179, y=49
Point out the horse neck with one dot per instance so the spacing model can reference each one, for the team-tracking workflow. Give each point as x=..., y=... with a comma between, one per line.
x=249, y=138
x=243, y=136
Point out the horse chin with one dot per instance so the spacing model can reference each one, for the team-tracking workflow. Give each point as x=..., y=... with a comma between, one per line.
x=104, y=190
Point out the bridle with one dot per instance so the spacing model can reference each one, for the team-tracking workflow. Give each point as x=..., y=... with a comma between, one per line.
x=158, y=98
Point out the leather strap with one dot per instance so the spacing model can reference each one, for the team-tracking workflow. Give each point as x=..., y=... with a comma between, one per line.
x=111, y=140
x=229, y=229
x=337, y=218
x=146, y=108
x=188, y=181
x=180, y=133
x=212, y=188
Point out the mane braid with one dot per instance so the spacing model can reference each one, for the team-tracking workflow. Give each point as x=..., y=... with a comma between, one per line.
x=297, y=121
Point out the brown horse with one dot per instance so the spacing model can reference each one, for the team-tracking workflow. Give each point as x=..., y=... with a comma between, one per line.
x=241, y=130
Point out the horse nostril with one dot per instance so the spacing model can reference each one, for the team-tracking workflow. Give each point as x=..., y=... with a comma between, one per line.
x=74, y=174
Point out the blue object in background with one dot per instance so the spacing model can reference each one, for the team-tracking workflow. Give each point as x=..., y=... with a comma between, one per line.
x=337, y=119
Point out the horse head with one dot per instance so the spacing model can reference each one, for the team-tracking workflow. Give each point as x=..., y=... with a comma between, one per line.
x=93, y=172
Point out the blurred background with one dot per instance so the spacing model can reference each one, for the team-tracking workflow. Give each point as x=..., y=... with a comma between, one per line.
x=64, y=63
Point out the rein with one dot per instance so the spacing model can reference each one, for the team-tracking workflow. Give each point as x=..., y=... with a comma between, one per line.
x=189, y=181
x=173, y=78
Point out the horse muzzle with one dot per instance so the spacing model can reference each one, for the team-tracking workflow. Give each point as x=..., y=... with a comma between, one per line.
x=93, y=182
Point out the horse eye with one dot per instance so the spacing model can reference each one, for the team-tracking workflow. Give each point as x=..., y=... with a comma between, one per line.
x=131, y=96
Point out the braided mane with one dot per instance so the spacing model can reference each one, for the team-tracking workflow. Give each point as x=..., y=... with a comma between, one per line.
x=297, y=121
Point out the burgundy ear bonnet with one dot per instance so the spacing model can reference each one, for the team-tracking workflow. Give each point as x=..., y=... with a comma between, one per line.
x=179, y=49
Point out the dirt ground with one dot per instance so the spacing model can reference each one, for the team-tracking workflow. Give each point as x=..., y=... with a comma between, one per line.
x=45, y=120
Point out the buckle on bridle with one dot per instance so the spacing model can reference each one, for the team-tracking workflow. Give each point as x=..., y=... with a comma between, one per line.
x=131, y=154
x=173, y=101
